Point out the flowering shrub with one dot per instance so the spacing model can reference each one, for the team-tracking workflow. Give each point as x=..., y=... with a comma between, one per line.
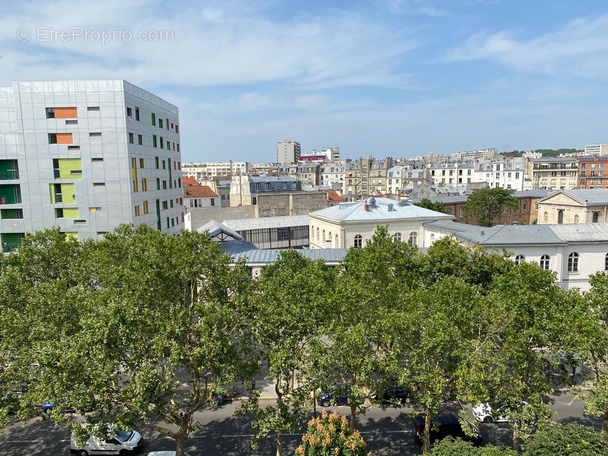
x=330, y=435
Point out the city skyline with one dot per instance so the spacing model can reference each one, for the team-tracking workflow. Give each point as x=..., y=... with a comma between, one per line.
x=385, y=78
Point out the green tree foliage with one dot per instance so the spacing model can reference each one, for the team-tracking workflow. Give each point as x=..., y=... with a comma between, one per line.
x=595, y=346
x=436, y=206
x=458, y=447
x=486, y=205
x=331, y=435
x=370, y=285
x=545, y=152
x=289, y=304
x=528, y=320
x=140, y=328
x=568, y=440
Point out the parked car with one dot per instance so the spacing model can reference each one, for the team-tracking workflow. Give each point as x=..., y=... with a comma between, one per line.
x=392, y=395
x=48, y=406
x=449, y=425
x=121, y=443
x=484, y=413
x=331, y=398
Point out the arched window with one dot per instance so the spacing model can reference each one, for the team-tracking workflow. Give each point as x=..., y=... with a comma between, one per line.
x=560, y=216
x=546, y=216
x=544, y=262
x=432, y=238
x=573, y=262
x=576, y=219
x=519, y=259
x=329, y=239
x=397, y=237
x=318, y=235
x=596, y=217
x=336, y=245
x=606, y=263
x=358, y=241
x=323, y=236
x=414, y=238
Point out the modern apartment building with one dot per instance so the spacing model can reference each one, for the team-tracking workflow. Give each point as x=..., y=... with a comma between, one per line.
x=553, y=173
x=87, y=156
x=207, y=171
x=288, y=152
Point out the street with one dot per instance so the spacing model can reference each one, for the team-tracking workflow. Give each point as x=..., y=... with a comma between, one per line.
x=386, y=431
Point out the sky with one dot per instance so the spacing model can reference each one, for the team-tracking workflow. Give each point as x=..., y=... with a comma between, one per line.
x=398, y=78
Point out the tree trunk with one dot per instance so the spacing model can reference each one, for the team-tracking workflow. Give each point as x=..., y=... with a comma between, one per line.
x=182, y=434
x=279, y=443
x=515, y=443
x=426, y=441
x=353, y=416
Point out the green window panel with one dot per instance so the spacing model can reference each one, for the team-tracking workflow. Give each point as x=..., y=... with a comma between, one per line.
x=11, y=214
x=70, y=168
x=71, y=213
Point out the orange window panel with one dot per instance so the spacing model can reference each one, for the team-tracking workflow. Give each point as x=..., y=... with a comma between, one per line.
x=64, y=138
x=66, y=113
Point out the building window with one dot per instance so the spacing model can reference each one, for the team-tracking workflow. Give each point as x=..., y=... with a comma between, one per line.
x=573, y=262
x=154, y=143
x=544, y=262
x=136, y=113
x=519, y=259
x=414, y=238
x=546, y=216
x=397, y=237
x=136, y=211
x=596, y=217
x=160, y=123
x=560, y=216
x=93, y=108
x=576, y=219
x=606, y=263
x=144, y=185
x=129, y=113
x=140, y=140
x=153, y=119
x=145, y=207
x=131, y=141
x=358, y=241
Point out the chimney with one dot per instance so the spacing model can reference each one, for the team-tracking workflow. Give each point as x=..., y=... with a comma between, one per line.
x=366, y=207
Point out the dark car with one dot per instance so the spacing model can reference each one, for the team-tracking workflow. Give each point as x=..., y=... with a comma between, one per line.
x=332, y=398
x=392, y=395
x=449, y=425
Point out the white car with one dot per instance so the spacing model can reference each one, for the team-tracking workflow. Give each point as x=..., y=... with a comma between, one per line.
x=121, y=443
x=485, y=414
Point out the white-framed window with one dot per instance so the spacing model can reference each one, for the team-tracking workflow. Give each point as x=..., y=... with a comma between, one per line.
x=397, y=237
x=544, y=262
x=414, y=238
x=358, y=241
x=519, y=259
x=573, y=262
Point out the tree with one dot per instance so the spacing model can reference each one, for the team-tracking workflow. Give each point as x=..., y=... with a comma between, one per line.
x=436, y=206
x=485, y=205
x=370, y=283
x=162, y=321
x=569, y=440
x=528, y=322
x=458, y=447
x=331, y=435
x=290, y=311
x=594, y=346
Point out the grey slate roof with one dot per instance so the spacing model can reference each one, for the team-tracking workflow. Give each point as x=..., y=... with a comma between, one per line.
x=329, y=256
x=377, y=209
x=508, y=235
x=586, y=197
x=215, y=228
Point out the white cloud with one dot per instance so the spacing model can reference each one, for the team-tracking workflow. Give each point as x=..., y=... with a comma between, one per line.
x=580, y=48
x=212, y=45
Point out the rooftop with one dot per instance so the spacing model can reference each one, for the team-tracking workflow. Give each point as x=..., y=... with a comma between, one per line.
x=377, y=208
x=266, y=222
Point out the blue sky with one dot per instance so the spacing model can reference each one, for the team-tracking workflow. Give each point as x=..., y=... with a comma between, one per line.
x=396, y=78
